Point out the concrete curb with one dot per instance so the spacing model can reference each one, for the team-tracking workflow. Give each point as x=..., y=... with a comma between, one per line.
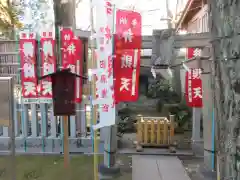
x=163, y=154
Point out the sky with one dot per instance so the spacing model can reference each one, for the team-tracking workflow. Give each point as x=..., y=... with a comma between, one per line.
x=151, y=10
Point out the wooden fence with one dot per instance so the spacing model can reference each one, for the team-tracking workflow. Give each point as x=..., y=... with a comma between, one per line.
x=155, y=131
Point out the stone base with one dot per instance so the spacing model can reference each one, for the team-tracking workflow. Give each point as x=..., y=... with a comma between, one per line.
x=49, y=145
x=207, y=173
x=108, y=173
x=197, y=148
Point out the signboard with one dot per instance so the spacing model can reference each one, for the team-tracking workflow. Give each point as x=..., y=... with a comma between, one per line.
x=63, y=86
x=27, y=50
x=194, y=88
x=6, y=101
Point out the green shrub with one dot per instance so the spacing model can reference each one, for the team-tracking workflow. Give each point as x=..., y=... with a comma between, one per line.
x=182, y=112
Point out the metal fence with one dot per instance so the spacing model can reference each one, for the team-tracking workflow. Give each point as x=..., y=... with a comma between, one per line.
x=37, y=129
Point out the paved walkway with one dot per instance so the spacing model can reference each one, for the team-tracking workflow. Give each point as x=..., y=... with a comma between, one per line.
x=157, y=168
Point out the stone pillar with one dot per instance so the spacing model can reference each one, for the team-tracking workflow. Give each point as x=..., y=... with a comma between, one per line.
x=207, y=120
x=196, y=125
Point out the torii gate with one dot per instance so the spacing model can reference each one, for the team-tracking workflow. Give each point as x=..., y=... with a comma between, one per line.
x=165, y=43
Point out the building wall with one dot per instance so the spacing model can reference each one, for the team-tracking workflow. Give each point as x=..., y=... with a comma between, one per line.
x=199, y=23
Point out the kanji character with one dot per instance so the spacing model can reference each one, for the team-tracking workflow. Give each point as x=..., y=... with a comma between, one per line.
x=105, y=107
x=31, y=35
x=110, y=66
x=28, y=70
x=47, y=48
x=196, y=73
x=102, y=48
x=134, y=22
x=101, y=40
x=72, y=68
x=23, y=35
x=44, y=34
x=28, y=49
x=50, y=34
x=67, y=37
x=110, y=71
x=197, y=92
x=134, y=82
x=123, y=20
x=108, y=33
x=103, y=79
x=30, y=88
x=104, y=93
x=109, y=8
x=71, y=49
x=126, y=61
x=128, y=35
x=110, y=62
x=48, y=68
x=47, y=88
x=190, y=97
x=102, y=64
x=197, y=52
x=101, y=29
x=125, y=84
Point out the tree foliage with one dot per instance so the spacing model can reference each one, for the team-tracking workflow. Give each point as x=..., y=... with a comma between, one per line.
x=9, y=19
x=162, y=89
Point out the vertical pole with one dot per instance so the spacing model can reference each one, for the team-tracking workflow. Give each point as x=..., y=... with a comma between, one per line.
x=73, y=120
x=168, y=15
x=78, y=119
x=65, y=144
x=12, y=126
x=34, y=120
x=16, y=120
x=94, y=111
x=53, y=125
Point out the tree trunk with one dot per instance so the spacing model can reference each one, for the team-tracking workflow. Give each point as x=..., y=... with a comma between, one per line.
x=225, y=27
x=64, y=11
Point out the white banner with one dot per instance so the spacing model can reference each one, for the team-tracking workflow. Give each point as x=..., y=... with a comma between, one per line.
x=104, y=54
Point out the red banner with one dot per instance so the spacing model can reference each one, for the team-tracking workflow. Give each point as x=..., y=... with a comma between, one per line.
x=48, y=63
x=193, y=86
x=127, y=50
x=79, y=68
x=28, y=45
x=129, y=29
x=67, y=47
x=72, y=57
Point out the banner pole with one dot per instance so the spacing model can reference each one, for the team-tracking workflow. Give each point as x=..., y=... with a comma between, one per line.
x=93, y=96
x=65, y=144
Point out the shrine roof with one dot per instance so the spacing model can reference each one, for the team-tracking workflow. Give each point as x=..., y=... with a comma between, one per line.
x=190, y=10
